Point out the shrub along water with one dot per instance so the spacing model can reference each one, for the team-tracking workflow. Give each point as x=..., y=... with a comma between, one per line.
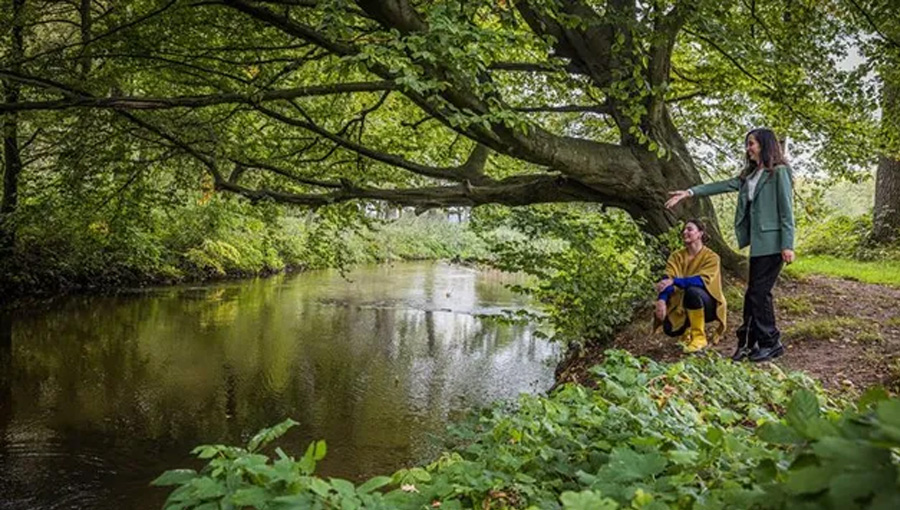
x=589, y=267
x=698, y=434
x=215, y=237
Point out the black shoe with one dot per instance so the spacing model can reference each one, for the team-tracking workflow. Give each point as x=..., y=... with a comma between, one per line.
x=767, y=353
x=741, y=353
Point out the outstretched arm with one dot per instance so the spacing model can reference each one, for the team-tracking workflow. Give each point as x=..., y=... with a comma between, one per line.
x=703, y=190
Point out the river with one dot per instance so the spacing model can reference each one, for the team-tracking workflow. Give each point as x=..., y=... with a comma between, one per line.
x=101, y=394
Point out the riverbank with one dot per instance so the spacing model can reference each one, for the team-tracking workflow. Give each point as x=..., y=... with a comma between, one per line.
x=40, y=272
x=661, y=430
x=699, y=433
x=844, y=333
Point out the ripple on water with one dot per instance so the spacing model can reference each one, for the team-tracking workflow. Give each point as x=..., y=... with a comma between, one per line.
x=54, y=474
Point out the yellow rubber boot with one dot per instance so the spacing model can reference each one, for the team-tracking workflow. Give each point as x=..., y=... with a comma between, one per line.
x=685, y=339
x=698, y=331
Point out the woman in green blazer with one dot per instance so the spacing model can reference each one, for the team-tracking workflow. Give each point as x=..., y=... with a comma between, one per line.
x=764, y=220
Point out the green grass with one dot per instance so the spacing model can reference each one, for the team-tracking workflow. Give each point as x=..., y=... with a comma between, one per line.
x=734, y=295
x=885, y=272
x=869, y=336
x=796, y=305
x=827, y=328
x=893, y=321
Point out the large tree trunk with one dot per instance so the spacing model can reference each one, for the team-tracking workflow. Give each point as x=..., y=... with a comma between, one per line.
x=676, y=172
x=625, y=175
x=12, y=159
x=887, y=201
x=12, y=167
x=887, y=183
x=84, y=62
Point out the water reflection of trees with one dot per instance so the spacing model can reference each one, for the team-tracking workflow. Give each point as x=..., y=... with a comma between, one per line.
x=200, y=365
x=6, y=403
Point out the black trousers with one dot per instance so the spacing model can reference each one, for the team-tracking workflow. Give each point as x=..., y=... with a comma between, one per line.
x=758, y=329
x=695, y=298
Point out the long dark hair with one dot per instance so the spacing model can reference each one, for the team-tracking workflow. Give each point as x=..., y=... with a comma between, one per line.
x=770, y=153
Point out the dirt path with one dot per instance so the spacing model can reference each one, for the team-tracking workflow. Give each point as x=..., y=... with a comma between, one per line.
x=844, y=333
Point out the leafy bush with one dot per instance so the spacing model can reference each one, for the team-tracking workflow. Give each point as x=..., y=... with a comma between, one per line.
x=214, y=237
x=650, y=436
x=426, y=236
x=847, y=237
x=839, y=235
x=836, y=462
x=590, y=267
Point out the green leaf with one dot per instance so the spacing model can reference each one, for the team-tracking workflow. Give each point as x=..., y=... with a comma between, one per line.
x=174, y=477
x=320, y=487
x=683, y=457
x=820, y=427
x=778, y=433
x=808, y=480
x=886, y=500
x=872, y=396
x=321, y=450
x=803, y=408
x=207, y=488
x=251, y=496
x=343, y=487
x=851, y=453
x=847, y=488
x=586, y=500
x=626, y=464
x=265, y=436
x=373, y=484
x=888, y=414
x=208, y=451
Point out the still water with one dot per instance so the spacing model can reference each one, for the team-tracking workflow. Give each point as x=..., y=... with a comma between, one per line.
x=99, y=395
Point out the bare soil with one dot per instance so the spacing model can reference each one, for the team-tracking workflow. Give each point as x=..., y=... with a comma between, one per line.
x=844, y=333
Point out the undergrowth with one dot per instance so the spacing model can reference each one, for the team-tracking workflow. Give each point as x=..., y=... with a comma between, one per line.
x=698, y=434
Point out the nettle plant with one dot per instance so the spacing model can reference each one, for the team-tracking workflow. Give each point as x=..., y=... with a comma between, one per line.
x=698, y=434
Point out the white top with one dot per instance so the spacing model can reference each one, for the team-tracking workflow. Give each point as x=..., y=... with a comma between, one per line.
x=752, y=181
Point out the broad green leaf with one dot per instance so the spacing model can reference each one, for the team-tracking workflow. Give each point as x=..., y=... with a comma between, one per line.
x=851, y=453
x=343, y=487
x=627, y=465
x=586, y=500
x=174, y=477
x=778, y=433
x=373, y=484
x=803, y=408
x=809, y=480
x=257, y=497
x=683, y=457
x=207, y=488
x=872, y=396
x=265, y=436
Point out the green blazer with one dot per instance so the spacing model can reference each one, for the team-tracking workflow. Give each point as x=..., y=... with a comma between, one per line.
x=766, y=224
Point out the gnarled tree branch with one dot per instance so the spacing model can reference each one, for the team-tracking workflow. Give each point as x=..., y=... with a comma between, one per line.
x=162, y=103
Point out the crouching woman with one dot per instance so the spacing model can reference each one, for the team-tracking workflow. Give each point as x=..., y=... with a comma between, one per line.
x=690, y=294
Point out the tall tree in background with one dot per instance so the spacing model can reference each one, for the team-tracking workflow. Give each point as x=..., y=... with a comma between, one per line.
x=883, y=23
x=12, y=158
x=876, y=26
x=886, y=219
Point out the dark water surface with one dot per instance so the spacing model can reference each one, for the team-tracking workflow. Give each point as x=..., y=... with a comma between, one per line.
x=99, y=395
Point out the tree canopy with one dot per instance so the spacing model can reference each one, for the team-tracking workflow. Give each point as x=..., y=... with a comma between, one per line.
x=428, y=103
